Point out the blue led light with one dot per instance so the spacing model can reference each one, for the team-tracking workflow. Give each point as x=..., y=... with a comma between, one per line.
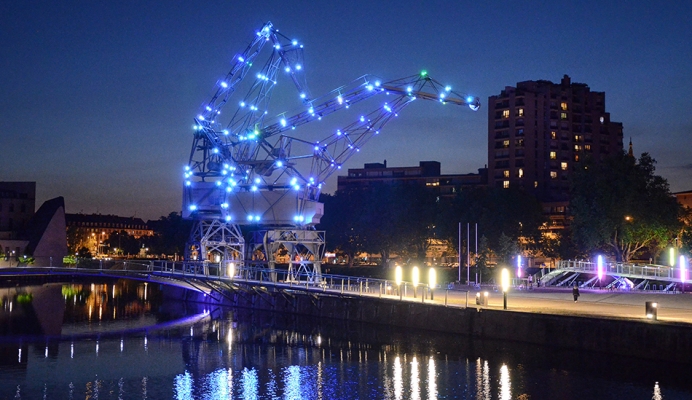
x=241, y=59
x=228, y=218
x=254, y=188
x=200, y=117
x=295, y=42
x=249, y=217
x=224, y=84
x=283, y=122
x=192, y=207
x=448, y=88
x=216, y=151
x=299, y=67
x=188, y=183
x=279, y=164
x=225, y=132
x=302, y=95
x=242, y=104
x=287, y=69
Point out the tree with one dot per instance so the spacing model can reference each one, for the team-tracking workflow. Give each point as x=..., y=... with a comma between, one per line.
x=340, y=223
x=497, y=211
x=620, y=205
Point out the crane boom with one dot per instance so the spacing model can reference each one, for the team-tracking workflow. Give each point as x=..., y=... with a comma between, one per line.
x=256, y=170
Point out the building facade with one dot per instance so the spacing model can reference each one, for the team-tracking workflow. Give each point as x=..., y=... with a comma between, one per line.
x=92, y=230
x=17, y=206
x=539, y=131
x=427, y=174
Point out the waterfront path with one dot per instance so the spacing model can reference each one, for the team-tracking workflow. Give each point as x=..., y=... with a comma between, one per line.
x=672, y=307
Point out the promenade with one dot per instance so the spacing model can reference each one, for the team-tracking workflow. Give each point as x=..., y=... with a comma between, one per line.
x=593, y=303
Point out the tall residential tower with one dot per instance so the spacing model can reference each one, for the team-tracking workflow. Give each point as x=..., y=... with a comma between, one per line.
x=539, y=131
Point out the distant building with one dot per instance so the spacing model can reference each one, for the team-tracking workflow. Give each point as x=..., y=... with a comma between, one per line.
x=27, y=236
x=685, y=198
x=17, y=206
x=539, y=131
x=426, y=174
x=92, y=230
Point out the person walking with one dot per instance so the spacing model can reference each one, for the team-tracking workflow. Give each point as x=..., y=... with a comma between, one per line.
x=575, y=292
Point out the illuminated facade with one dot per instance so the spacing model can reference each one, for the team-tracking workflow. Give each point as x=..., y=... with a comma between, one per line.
x=92, y=230
x=539, y=131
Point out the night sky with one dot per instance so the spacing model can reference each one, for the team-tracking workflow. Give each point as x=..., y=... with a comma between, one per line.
x=97, y=98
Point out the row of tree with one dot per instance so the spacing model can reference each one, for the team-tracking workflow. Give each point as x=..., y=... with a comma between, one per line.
x=619, y=207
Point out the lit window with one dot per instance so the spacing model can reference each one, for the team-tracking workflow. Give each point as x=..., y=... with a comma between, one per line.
x=601, y=120
x=553, y=155
x=563, y=106
x=563, y=115
x=505, y=143
x=535, y=184
x=553, y=135
x=587, y=147
x=506, y=173
x=553, y=174
x=505, y=184
x=521, y=172
x=505, y=114
x=576, y=157
x=520, y=112
x=577, y=147
x=563, y=166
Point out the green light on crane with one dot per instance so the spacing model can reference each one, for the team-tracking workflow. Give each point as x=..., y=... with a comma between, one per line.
x=423, y=73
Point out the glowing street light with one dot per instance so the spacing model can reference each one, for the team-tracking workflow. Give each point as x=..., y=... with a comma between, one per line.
x=398, y=275
x=671, y=257
x=683, y=271
x=432, y=281
x=519, y=266
x=504, y=280
x=599, y=264
x=416, y=278
x=230, y=270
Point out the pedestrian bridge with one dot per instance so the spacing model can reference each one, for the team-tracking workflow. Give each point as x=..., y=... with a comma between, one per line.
x=218, y=282
x=616, y=276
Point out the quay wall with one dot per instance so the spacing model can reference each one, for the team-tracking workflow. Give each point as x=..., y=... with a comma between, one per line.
x=647, y=339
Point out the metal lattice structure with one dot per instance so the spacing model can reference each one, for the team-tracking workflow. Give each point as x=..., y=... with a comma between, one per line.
x=256, y=171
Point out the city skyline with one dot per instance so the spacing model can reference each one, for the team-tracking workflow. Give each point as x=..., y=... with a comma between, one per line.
x=99, y=99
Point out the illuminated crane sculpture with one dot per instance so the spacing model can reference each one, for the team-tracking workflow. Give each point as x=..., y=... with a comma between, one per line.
x=255, y=171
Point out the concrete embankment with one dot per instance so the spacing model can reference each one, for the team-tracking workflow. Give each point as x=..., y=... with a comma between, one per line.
x=638, y=338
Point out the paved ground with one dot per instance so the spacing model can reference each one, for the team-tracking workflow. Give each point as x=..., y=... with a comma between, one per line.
x=671, y=307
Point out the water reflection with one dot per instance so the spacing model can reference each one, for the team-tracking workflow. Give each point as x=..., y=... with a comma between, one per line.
x=143, y=347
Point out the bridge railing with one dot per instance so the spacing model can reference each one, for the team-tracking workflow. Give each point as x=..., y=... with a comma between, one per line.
x=612, y=268
x=285, y=279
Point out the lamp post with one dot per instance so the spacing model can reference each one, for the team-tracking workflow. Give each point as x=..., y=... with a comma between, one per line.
x=599, y=266
x=683, y=271
x=519, y=266
x=416, y=278
x=432, y=281
x=671, y=257
x=397, y=277
x=505, y=286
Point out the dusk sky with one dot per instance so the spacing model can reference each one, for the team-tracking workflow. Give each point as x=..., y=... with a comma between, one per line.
x=97, y=98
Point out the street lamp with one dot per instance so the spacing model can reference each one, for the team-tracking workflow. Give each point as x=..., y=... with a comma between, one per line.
x=519, y=266
x=683, y=271
x=416, y=279
x=432, y=279
x=671, y=257
x=505, y=286
x=398, y=277
x=599, y=264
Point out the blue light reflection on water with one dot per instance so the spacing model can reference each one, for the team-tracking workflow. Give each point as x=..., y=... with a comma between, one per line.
x=252, y=355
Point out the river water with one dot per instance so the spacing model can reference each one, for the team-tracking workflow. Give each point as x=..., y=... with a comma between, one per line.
x=123, y=340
